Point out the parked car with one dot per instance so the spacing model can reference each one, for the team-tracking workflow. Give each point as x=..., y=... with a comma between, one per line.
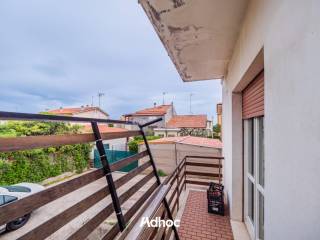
x=12, y=193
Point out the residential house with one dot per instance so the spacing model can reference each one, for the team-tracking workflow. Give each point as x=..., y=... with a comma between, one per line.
x=83, y=111
x=183, y=125
x=149, y=114
x=267, y=55
x=95, y=112
x=118, y=144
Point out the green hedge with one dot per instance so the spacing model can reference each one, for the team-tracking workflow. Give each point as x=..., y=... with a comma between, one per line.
x=39, y=164
x=134, y=144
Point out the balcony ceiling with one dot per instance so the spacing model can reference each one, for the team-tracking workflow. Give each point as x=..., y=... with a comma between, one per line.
x=199, y=35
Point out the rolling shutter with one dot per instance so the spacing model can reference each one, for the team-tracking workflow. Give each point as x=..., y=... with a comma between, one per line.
x=253, y=98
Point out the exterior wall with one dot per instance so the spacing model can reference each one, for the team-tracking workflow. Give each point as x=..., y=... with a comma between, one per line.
x=170, y=113
x=92, y=114
x=166, y=158
x=289, y=34
x=145, y=119
x=117, y=144
x=162, y=132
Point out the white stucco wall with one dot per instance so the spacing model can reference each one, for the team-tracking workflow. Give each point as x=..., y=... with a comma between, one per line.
x=166, y=158
x=289, y=33
x=91, y=114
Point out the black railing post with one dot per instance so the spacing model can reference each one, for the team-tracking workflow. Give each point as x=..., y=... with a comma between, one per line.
x=107, y=172
x=166, y=205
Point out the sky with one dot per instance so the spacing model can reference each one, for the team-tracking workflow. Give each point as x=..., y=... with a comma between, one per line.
x=61, y=53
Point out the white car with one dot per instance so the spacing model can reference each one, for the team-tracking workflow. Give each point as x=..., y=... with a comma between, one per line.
x=13, y=193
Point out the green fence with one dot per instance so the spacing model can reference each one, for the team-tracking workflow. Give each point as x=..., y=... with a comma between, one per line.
x=115, y=156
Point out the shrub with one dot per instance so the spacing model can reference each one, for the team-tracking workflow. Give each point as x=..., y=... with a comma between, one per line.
x=161, y=173
x=39, y=164
x=134, y=144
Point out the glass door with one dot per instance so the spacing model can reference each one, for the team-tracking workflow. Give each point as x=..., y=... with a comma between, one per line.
x=254, y=176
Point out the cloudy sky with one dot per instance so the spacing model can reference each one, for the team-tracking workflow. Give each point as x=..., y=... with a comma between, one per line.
x=61, y=53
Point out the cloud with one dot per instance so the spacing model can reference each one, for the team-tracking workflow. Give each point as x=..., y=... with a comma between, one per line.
x=61, y=53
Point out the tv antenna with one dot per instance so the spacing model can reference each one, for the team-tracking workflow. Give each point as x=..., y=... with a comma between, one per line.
x=100, y=95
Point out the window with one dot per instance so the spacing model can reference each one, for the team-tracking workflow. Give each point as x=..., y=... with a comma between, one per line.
x=4, y=199
x=17, y=188
x=1, y=200
x=254, y=176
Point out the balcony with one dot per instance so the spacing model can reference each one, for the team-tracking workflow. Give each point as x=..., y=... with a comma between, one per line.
x=107, y=204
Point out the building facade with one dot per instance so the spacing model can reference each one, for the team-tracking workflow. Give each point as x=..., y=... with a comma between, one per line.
x=83, y=111
x=184, y=125
x=166, y=112
x=266, y=53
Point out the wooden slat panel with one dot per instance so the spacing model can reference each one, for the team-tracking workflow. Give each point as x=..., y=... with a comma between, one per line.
x=140, y=202
x=197, y=182
x=160, y=233
x=203, y=174
x=93, y=223
x=53, y=224
x=168, y=234
x=149, y=230
x=115, y=135
x=172, y=196
x=26, y=205
x=129, y=214
x=137, y=230
x=253, y=98
x=31, y=142
x=58, y=221
x=126, y=195
x=205, y=157
x=124, y=162
x=198, y=164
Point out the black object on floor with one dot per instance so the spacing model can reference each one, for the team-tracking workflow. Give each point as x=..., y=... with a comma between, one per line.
x=215, y=197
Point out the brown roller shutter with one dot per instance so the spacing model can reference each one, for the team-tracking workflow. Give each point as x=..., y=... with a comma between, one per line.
x=253, y=98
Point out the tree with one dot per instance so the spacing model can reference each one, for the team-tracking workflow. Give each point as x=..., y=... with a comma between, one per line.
x=217, y=131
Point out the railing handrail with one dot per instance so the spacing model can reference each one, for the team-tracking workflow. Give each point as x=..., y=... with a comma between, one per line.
x=59, y=118
x=204, y=157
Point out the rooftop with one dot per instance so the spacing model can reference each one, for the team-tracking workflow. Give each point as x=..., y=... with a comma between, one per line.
x=190, y=140
x=75, y=110
x=154, y=111
x=188, y=121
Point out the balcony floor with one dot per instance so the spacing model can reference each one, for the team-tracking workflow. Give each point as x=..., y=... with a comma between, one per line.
x=197, y=223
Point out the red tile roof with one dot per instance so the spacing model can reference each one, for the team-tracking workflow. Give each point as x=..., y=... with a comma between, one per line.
x=103, y=129
x=190, y=140
x=75, y=110
x=188, y=121
x=154, y=111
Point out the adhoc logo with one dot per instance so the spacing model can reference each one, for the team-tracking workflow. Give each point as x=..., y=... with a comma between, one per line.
x=158, y=222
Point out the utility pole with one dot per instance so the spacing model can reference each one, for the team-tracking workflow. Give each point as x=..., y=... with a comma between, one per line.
x=91, y=101
x=163, y=95
x=100, y=95
x=191, y=102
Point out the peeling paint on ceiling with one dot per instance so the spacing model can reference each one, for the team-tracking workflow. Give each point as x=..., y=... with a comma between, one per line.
x=199, y=36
